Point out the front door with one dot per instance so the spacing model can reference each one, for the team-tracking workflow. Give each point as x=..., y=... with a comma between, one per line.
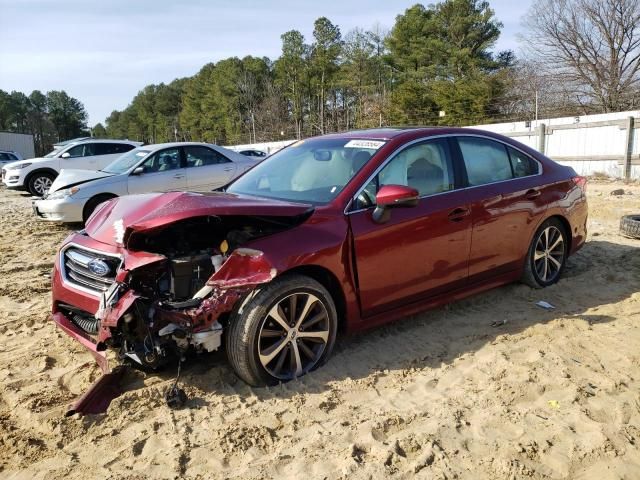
x=421, y=251
x=162, y=172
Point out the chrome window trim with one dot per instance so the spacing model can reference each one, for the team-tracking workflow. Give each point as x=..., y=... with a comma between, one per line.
x=433, y=137
x=63, y=272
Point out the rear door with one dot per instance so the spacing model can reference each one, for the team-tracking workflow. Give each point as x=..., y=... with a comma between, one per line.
x=163, y=172
x=207, y=169
x=421, y=251
x=507, y=202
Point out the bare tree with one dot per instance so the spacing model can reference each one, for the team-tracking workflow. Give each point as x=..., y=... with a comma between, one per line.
x=592, y=46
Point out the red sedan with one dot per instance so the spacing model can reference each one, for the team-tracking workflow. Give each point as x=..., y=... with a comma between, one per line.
x=333, y=234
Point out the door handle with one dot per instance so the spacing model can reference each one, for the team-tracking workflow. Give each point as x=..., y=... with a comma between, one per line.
x=458, y=214
x=531, y=194
x=228, y=169
x=178, y=175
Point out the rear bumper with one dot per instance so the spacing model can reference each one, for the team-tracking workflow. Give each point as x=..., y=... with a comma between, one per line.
x=68, y=210
x=64, y=324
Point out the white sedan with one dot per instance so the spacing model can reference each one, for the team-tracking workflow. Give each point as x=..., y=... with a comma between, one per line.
x=196, y=167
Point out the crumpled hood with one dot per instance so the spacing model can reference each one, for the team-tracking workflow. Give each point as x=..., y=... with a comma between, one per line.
x=71, y=177
x=115, y=221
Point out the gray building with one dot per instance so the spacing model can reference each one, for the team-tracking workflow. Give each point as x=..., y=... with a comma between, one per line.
x=18, y=142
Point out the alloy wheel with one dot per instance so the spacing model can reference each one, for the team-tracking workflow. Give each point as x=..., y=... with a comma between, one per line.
x=293, y=336
x=41, y=185
x=549, y=253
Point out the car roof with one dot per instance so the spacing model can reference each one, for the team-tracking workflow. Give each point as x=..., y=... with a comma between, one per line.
x=384, y=133
x=108, y=140
x=158, y=146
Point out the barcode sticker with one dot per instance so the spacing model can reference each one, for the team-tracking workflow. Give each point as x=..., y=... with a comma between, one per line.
x=370, y=144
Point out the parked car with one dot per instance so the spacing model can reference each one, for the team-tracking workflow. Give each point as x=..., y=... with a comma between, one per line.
x=330, y=235
x=197, y=167
x=37, y=174
x=8, y=156
x=257, y=154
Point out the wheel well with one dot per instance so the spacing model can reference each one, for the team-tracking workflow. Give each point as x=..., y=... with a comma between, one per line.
x=40, y=170
x=567, y=229
x=101, y=196
x=329, y=281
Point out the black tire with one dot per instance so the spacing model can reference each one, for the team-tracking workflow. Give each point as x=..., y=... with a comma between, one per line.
x=244, y=336
x=536, y=273
x=630, y=226
x=39, y=183
x=91, y=205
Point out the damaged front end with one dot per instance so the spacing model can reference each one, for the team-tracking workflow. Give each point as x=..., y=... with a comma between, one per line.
x=171, y=290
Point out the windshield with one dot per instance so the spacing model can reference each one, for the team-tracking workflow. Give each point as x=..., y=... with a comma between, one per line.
x=52, y=154
x=311, y=171
x=123, y=163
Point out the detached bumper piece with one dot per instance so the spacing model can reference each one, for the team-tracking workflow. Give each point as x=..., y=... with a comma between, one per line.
x=99, y=396
x=109, y=386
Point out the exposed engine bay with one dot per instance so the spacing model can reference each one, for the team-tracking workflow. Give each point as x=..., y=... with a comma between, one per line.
x=182, y=298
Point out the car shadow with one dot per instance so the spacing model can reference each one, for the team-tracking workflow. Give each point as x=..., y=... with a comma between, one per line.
x=440, y=336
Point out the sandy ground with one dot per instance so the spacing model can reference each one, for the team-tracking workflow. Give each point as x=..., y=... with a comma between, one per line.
x=549, y=394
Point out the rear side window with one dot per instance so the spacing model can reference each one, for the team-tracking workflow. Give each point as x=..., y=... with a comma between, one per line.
x=522, y=164
x=486, y=161
x=111, y=148
x=203, y=156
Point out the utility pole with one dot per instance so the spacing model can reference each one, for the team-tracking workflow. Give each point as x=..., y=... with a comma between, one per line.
x=253, y=124
x=536, y=105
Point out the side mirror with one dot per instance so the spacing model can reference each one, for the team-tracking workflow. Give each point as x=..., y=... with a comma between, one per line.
x=138, y=171
x=65, y=155
x=393, y=196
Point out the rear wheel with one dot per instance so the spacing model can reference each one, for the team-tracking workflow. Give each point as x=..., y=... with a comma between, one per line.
x=282, y=332
x=39, y=183
x=547, y=255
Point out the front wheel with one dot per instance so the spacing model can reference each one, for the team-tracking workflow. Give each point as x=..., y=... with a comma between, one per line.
x=39, y=183
x=547, y=255
x=283, y=331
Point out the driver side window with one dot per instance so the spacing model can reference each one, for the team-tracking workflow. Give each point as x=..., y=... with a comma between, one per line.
x=162, y=161
x=84, y=150
x=426, y=166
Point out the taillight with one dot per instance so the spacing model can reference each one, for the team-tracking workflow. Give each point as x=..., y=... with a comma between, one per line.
x=580, y=182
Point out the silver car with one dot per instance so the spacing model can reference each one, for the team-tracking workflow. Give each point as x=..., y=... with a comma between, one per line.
x=197, y=167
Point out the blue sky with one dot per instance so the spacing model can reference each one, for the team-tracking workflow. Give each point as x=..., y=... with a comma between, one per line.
x=104, y=52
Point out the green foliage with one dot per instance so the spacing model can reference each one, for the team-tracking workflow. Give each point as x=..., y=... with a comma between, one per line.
x=436, y=58
x=98, y=131
x=49, y=118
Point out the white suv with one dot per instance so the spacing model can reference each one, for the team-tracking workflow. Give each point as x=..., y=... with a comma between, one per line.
x=37, y=174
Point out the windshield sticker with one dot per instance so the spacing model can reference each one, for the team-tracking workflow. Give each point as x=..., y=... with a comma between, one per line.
x=370, y=144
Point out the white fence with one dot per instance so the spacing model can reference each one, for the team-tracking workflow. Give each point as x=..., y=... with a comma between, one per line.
x=607, y=143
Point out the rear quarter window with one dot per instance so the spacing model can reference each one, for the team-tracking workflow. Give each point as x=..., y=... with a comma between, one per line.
x=522, y=164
